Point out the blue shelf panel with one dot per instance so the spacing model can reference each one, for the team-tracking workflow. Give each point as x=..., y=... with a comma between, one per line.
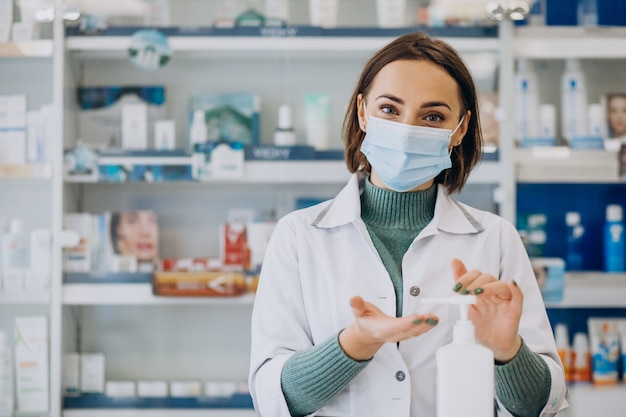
x=107, y=278
x=102, y=401
x=301, y=31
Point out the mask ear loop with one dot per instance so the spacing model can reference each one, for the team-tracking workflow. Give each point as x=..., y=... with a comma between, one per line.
x=452, y=134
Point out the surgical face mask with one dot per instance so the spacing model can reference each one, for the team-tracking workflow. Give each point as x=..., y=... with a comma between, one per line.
x=406, y=156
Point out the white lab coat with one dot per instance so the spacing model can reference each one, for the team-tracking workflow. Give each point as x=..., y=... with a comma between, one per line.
x=321, y=256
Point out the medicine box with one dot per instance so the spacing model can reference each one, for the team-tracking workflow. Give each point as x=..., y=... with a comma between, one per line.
x=100, y=114
x=550, y=274
x=230, y=117
x=144, y=166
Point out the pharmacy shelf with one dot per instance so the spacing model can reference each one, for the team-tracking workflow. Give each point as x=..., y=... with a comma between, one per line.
x=25, y=297
x=268, y=42
x=570, y=42
x=95, y=401
x=589, y=400
x=27, y=49
x=592, y=290
x=26, y=171
x=158, y=413
x=564, y=165
x=137, y=294
x=314, y=172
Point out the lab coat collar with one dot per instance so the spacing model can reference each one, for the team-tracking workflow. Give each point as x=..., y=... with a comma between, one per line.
x=450, y=216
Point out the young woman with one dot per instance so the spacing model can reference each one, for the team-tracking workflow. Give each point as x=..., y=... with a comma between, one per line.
x=338, y=328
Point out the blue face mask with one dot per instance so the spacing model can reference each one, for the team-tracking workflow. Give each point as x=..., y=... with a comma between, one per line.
x=406, y=156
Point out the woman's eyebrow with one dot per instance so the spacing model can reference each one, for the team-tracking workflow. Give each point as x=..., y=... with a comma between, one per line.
x=391, y=97
x=428, y=104
x=436, y=104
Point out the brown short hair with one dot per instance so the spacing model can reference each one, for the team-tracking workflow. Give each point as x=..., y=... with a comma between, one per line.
x=419, y=46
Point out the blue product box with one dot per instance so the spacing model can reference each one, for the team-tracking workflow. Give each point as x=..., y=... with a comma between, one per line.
x=100, y=112
x=561, y=12
x=279, y=153
x=550, y=274
x=532, y=142
x=229, y=117
x=586, y=142
x=144, y=166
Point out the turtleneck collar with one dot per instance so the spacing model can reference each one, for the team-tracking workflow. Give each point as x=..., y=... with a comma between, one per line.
x=392, y=209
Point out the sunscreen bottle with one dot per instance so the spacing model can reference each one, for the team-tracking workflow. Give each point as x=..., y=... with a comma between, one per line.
x=561, y=336
x=465, y=368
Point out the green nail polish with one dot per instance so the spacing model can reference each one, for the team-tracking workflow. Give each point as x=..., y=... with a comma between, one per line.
x=478, y=291
x=417, y=321
x=515, y=282
x=465, y=291
x=432, y=322
x=457, y=287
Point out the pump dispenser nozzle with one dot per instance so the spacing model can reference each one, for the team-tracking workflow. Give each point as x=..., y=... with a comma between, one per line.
x=464, y=328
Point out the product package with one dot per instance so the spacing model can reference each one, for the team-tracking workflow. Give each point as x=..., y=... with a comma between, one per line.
x=604, y=341
x=229, y=117
x=31, y=363
x=550, y=274
x=197, y=277
x=213, y=160
x=144, y=166
x=100, y=119
x=133, y=234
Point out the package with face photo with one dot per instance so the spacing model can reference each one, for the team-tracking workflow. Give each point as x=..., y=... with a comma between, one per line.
x=134, y=238
x=615, y=110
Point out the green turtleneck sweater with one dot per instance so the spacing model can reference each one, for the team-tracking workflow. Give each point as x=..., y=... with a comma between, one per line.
x=311, y=377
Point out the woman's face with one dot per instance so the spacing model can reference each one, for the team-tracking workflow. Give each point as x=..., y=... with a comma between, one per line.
x=417, y=93
x=617, y=116
x=137, y=235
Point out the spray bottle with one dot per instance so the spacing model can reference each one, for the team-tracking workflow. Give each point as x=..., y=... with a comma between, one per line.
x=465, y=369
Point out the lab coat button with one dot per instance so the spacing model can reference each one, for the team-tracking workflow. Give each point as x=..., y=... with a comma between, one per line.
x=400, y=376
x=415, y=291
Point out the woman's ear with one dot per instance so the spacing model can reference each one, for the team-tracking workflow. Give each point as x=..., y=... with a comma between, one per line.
x=360, y=111
x=463, y=128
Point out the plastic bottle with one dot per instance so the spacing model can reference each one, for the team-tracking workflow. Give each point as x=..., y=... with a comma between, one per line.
x=7, y=402
x=15, y=256
x=614, y=239
x=561, y=335
x=526, y=101
x=198, y=130
x=465, y=373
x=575, y=232
x=547, y=124
x=581, y=359
x=573, y=101
x=284, y=134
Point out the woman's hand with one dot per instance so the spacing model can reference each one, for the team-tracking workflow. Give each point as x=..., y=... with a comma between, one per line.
x=372, y=328
x=497, y=311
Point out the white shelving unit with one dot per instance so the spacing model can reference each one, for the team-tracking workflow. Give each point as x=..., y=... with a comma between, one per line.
x=602, y=50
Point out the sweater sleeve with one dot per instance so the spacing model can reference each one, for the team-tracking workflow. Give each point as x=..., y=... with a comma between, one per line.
x=523, y=384
x=311, y=377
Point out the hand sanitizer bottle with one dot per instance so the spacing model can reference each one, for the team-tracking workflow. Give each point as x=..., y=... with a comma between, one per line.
x=465, y=369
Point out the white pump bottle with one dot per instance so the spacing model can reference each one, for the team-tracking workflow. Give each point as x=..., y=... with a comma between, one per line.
x=465, y=368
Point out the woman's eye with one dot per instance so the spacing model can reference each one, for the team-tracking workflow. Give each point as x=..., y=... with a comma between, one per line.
x=433, y=118
x=388, y=110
